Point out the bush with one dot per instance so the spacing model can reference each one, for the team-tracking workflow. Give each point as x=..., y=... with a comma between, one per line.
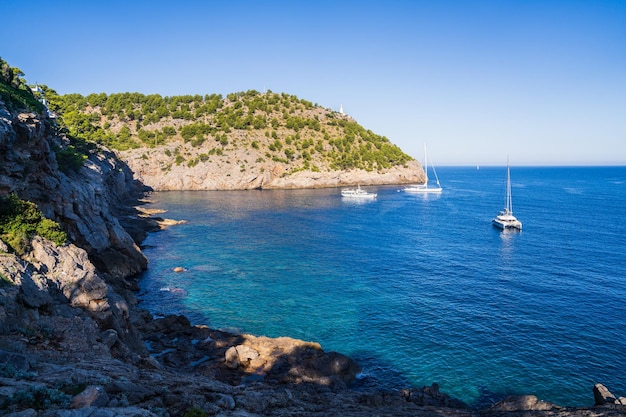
x=70, y=159
x=40, y=398
x=4, y=282
x=21, y=220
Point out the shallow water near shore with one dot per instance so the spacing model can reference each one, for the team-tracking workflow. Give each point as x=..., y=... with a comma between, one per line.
x=418, y=289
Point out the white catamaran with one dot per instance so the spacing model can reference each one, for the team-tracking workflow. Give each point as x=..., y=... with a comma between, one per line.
x=424, y=188
x=505, y=219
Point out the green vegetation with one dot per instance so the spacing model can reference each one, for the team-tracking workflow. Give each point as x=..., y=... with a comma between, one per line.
x=14, y=91
x=71, y=158
x=21, y=220
x=282, y=127
x=4, y=282
x=40, y=398
x=19, y=97
x=195, y=412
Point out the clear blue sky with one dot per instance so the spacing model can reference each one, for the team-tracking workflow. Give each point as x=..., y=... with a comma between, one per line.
x=543, y=81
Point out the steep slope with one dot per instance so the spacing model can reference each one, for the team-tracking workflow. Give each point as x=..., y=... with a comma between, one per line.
x=244, y=141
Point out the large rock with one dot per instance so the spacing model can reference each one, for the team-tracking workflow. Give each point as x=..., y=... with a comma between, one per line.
x=284, y=359
x=92, y=396
x=70, y=269
x=522, y=403
x=603, y=396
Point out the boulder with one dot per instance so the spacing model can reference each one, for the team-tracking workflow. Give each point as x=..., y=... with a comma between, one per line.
x=76, y=277
x=288, y=360
x=522, y=403
x=603, y=396
x=34, y=290
x=92, y=396
x=431, y=396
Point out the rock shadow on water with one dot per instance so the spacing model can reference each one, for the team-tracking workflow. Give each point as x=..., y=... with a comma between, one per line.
x=382, y=377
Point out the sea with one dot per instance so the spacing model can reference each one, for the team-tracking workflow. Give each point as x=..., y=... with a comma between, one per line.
x=417, y=289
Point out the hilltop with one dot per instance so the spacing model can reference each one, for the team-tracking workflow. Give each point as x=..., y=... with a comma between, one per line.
x=245, y=140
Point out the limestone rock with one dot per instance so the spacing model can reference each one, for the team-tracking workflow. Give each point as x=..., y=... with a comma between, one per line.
x=603, y=396
x=109, y=337
x=34, y=289
x=92, y=396
x=290, y=360
x=72, y=271
x=14, y=361
x=522, y=403
x=84, y=202
x=431, y=396
x=223, y=175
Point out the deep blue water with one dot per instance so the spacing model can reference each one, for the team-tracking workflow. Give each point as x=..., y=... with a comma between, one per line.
x=418, y=289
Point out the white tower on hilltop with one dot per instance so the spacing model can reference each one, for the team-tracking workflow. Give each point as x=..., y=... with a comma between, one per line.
x=341, y=108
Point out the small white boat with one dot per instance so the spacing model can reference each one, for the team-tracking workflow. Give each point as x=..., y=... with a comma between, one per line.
x=424, y=188
x=505, y=220
x=357, y=193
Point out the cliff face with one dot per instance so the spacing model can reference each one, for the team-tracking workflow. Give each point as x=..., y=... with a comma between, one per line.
x=84, y=202
x=247, y=169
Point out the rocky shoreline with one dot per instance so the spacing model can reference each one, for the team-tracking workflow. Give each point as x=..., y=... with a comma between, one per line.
x=73, y=341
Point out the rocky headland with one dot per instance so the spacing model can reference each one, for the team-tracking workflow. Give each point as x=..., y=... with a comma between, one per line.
x=221, y=174
x=74, y=342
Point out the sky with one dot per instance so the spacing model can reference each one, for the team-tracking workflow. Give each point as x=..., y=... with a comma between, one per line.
x=541, y=81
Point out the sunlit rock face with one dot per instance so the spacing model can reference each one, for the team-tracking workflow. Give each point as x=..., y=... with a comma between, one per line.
x=161, y=173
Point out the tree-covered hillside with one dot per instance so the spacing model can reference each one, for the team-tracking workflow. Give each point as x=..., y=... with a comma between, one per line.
x=14, y=91
x=276, y=127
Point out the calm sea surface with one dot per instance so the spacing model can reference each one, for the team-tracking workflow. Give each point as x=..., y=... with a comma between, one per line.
x=418, y=289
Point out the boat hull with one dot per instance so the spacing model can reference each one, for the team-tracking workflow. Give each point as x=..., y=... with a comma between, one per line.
x=507, y=224
x=358, y=193
x=368, y=196
x=417, y=189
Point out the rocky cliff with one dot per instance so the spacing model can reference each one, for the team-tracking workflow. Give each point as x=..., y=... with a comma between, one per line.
x=157, y=169
x=73, y=341
x=242, y=141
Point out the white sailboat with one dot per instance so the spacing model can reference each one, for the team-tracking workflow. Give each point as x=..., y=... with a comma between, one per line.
x=424, y=188
x=505, y=219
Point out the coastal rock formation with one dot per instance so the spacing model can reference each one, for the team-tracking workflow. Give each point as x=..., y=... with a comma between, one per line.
x=522, y=403
x=604, y=397
x=159, y=171
x=85, y=201
x=73, y=341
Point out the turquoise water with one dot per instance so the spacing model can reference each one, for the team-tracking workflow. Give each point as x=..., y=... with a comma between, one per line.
x=418, y=289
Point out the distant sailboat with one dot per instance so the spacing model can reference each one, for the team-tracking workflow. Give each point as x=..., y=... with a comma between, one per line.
x=424, y=188
x=505, y=219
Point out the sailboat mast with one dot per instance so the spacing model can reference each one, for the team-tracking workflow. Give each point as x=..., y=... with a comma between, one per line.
x=509, y=199
x=425, y=165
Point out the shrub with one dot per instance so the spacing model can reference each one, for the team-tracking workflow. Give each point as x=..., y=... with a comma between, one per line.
x=195, y=412
x=70, y=159
x=4, y=282
x=40, y=398
x=21, y=220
